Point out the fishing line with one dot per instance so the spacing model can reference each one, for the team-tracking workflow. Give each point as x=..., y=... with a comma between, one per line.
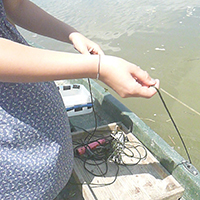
x=192, y=109
x=175, y=126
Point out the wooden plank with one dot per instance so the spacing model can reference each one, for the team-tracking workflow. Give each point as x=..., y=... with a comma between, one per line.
x=146, y=180
x=156, y=177
x=103, y=192
x=85, y=188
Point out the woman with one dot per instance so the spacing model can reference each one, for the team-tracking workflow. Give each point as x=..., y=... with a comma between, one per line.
x=35, y=143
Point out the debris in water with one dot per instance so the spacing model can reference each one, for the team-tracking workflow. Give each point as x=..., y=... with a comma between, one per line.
x=159, y=49
x=172, y=140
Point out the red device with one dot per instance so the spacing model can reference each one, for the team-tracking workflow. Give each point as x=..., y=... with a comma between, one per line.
x=90, y=146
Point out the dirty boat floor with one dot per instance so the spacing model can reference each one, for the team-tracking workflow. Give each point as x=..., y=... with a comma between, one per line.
x=146, y=180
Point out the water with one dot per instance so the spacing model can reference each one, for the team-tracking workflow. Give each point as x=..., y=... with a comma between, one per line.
x=163, y=38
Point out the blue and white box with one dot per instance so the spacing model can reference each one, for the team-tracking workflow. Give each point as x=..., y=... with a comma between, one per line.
x=76, y=98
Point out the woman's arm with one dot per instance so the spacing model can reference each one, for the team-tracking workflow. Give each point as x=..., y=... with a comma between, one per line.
x=20, y=63
x=31, y=17
x=26, y=14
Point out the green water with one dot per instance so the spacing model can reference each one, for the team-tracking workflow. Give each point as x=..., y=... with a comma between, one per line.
x=163, y=37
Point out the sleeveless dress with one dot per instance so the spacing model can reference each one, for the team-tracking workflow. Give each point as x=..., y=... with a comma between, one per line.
x=36, y=155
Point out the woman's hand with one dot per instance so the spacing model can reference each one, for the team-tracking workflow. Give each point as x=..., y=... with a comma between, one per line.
x=127, y=79
x=84, y=45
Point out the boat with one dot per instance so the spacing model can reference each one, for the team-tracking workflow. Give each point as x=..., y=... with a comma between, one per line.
x=180, y=179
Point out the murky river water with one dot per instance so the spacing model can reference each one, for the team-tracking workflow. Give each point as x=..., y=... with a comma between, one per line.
x=163, y=37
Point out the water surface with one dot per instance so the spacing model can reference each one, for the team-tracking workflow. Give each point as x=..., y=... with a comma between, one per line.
x=163, y=37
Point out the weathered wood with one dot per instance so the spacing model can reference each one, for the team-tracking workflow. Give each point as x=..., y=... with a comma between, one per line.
x=147, y=180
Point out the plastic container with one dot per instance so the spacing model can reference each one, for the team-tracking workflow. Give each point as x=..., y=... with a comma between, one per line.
x=76, y=98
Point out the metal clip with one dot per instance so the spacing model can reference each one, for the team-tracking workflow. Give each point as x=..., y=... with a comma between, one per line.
x=190, y=167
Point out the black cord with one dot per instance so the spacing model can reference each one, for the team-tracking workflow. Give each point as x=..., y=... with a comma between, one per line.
x=106, y=152
x=175, y=126
x=112, y=150
x=89, y=136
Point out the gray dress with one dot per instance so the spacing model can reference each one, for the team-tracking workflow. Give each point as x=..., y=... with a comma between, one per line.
x=36, y=156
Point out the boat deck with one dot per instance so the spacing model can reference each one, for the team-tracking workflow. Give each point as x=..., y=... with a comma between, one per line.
x=144, y=179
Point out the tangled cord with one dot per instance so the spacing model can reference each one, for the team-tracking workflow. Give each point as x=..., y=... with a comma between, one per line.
x=116, y=149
